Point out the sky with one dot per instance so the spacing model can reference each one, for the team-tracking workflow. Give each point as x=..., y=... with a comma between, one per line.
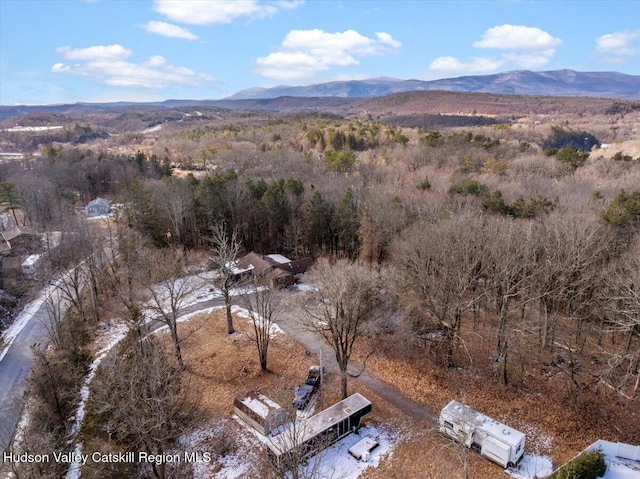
x=54, y=52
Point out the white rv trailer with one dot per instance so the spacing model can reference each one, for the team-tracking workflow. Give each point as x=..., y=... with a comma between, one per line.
x=496, y=441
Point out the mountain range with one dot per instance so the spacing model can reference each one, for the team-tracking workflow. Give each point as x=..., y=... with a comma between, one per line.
x=548, y=83
x=491, y=94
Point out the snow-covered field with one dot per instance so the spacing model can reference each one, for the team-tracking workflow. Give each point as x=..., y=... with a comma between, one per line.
x=618, y=468
x=534, y=466
x=617, y=457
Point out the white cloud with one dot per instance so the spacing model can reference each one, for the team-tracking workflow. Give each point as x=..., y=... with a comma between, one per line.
x=208, y=12
x=530, y=60
x=517, y=37
x=619, y=44
x=288, y=4
x=99, y=52
x=107, y=65
x=523, y=47
x=306, y=52
x=452, y=65
x=169, y=30
x=60, y=68
x=388, y=40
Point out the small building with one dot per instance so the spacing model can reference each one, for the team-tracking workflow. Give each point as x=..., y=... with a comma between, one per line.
x=98, y=207
x=20, y=240
x=496, y=441
x=260, y=412
x=277, y=269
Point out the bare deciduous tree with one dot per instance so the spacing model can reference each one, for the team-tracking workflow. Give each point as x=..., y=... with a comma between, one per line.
x=624, y=307
x=263, y=306
x=143, y=402
x=168, y=287
x=510, y=261
x=176, y=203
x=345, y=306
x=570, y=257
x=227, y=248
x=438, y=267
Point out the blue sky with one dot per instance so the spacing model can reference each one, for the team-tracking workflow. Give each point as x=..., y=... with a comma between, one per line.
x=143, y=50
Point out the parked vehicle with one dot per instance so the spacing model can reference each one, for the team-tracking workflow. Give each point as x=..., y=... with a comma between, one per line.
x=494, y=440
x=304, y=392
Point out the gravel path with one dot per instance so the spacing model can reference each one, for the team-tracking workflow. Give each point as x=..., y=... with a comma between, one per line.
x=290, y=319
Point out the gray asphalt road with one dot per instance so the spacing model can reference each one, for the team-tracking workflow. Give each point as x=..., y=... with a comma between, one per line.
x=15, y=368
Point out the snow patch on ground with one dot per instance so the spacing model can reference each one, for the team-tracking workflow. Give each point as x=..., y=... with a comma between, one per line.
x=185, y=317
x=152, y=129
x=274, y=330
x=33, y=128
x=532, y=466
x=108, y=339
x=235, y=463
x=100, y=217
x=618, y=459
x=304, y=287
x=336, y=461
x=24, y=317
x=537, y=442
x=201, y=290
x=618, y=468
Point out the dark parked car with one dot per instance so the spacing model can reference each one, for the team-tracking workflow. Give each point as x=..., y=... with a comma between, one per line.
x=303, y=393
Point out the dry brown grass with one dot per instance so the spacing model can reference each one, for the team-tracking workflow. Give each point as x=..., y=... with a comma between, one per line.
x=558, y=420
x=221, y=366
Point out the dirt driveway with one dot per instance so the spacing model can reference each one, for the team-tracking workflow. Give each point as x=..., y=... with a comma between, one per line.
x=291, y=320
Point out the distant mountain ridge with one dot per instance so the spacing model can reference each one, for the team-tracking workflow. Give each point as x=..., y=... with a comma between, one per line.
x=489, y=94
x=524, y=82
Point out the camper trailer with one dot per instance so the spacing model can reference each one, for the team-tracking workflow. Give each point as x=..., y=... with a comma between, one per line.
x=310, y=435
x=494, y=440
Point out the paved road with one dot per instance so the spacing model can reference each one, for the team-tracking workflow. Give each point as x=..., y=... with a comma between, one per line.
x=15, y=368
x=16, y=365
